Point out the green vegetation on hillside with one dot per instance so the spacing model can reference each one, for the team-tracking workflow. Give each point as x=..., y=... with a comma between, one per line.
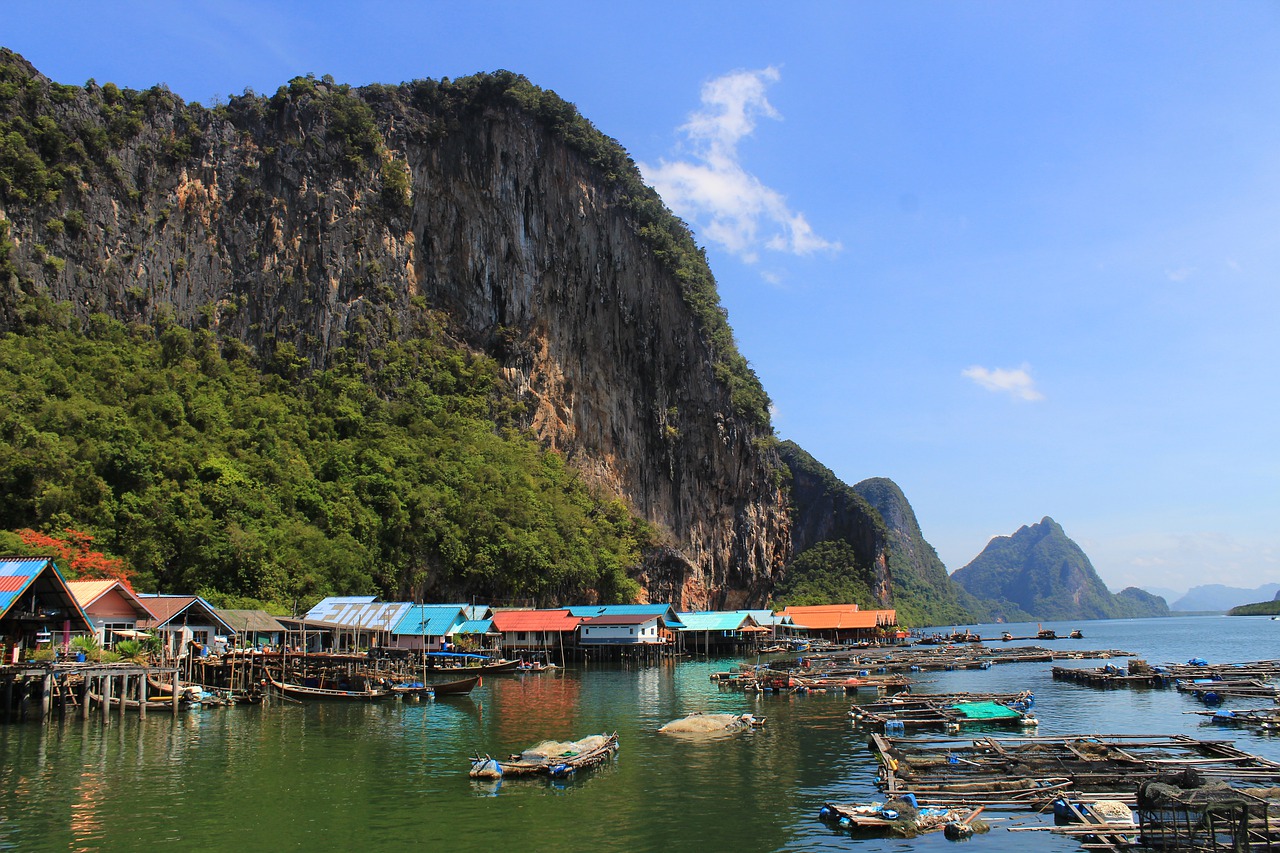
x=402, y=475
x=827, y=573
x=1260, y=608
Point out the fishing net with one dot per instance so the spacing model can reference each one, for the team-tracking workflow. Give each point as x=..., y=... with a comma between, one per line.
x=705, y=724
x=563, y=749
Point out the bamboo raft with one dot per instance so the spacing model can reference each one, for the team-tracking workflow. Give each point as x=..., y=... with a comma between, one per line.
x=1209, y=689
x=1267, y=719
x=945, y=711
x=1031, y=772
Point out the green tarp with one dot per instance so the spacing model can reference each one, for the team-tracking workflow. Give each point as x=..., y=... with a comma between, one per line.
x=986, y=711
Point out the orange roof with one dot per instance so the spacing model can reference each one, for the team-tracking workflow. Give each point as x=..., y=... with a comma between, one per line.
x=87, y=592
x=506, y=621
x=830, y=616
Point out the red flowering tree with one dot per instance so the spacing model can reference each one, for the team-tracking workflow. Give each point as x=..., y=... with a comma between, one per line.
x=73, y=553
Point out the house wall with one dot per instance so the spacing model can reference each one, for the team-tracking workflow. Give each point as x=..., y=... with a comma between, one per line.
x=646, y=633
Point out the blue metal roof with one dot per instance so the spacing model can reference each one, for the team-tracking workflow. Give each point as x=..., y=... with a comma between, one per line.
x=475, y=626
x=766, y=618
x=715, y=620
x=666, y=611
x=17, y=573
x=429, y=620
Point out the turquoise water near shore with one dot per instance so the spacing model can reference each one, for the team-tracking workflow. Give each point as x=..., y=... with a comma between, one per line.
x=392, y=776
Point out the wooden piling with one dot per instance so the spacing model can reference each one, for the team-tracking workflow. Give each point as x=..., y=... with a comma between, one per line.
x=175, y=692
x=142, y=697
x=46, y=696
x=106, y=699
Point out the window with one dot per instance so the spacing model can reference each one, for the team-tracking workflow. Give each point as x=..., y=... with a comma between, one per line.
x=108, y=637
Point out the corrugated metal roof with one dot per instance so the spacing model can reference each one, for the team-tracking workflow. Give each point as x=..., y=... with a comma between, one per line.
x=475, y=626
x=15, y=574
x=429, y=620
x=507, y=621
x=362, y=614
x=167, y=609
x=621, y=619
x=828, y=617
x=716, y=620
x=768, y=617
x=251, y=621
x=337, y=602
x=88, y=592
x=666, y=611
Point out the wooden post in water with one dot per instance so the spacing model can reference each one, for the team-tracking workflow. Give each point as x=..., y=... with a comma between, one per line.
x=84, y=696
x=106, y=699
x=46, y=696
x=175, y=691
x=142, y=696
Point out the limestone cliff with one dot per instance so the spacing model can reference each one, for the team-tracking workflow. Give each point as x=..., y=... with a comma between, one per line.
x=325, y=217
x=1041, y=573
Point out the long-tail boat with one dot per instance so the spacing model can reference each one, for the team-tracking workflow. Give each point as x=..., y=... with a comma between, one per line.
x=460, y=687
x=305, y=692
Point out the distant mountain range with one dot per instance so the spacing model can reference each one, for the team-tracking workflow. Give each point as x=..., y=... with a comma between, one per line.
x=1215, y=596
x=1040, y=573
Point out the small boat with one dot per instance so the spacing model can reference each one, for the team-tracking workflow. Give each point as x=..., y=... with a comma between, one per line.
x=1046, y=634
x=460, y=687
x=532, y=666
x=903, y=817
x=305, y=692
x=549, y=758
x=412, y=690
x=1076, y=635
x=1006, y=636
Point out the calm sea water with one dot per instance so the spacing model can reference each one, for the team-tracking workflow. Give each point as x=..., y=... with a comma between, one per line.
x=389, y=777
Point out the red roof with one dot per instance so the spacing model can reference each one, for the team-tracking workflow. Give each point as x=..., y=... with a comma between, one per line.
x=506, y=621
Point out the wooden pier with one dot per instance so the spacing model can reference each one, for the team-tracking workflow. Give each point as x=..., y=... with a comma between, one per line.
x=37, y=692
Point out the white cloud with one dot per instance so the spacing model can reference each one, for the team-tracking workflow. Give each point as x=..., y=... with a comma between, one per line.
x=1180, y=274
x=1017, y=383
x=711, y=188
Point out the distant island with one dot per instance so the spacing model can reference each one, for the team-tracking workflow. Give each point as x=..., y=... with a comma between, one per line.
x=1040, y=573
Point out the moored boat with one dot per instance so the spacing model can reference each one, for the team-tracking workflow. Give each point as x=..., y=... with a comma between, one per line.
x=549, y=758
x=307, y=692
x=459, y=687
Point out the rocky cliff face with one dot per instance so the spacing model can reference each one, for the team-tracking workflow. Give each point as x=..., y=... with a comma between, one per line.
x=325, y=217
x=826, y=509
x=921, y=584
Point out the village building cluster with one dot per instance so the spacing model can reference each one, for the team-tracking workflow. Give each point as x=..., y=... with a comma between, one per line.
x=40, y=609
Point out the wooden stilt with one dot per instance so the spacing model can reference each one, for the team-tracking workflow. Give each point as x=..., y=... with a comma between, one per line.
x=46, y=696
x=106, y=699
x=84, y=697
x=142, y=697
x=175, y=692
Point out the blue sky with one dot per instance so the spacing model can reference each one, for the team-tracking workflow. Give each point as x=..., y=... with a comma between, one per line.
x=1021, y=258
